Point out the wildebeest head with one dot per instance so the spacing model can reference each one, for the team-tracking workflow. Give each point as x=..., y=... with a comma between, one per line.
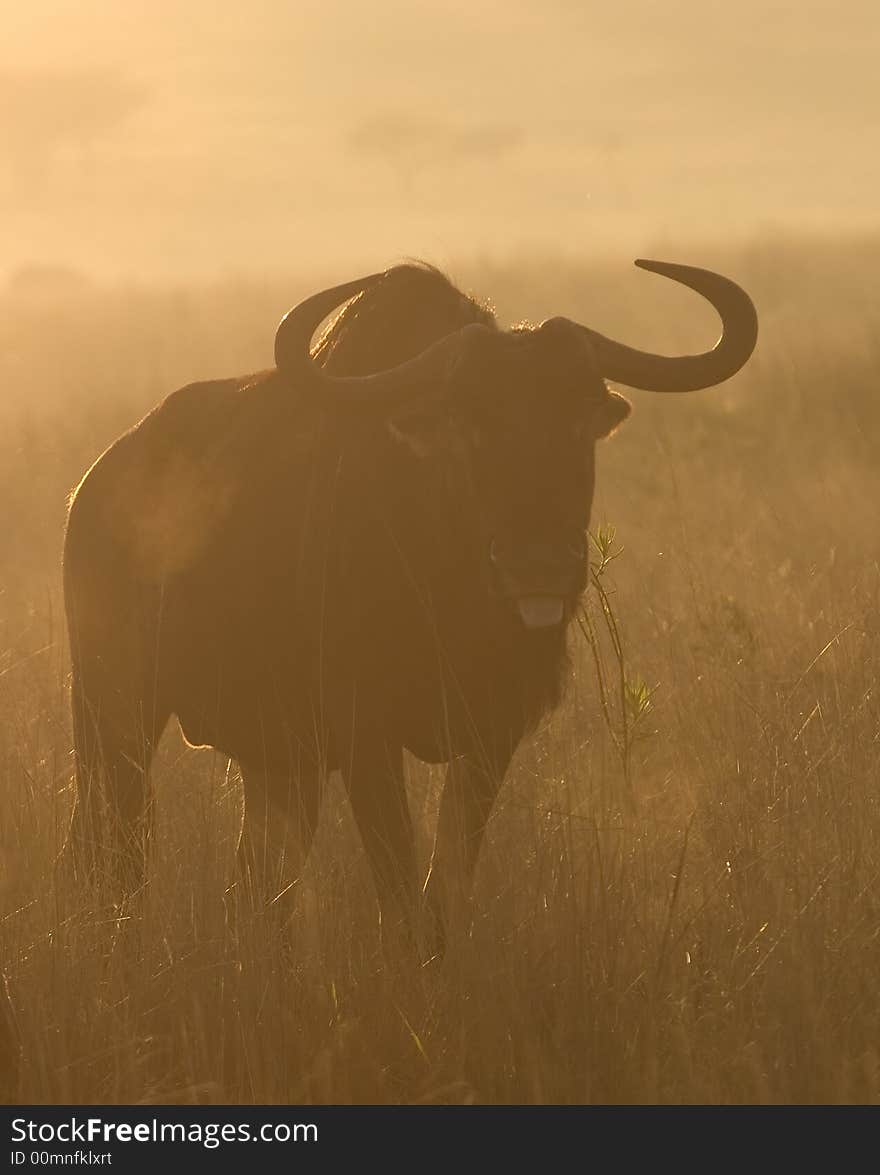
x=514, y=415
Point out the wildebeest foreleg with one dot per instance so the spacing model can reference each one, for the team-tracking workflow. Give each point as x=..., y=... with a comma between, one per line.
x=468, y=795
x=375, y=781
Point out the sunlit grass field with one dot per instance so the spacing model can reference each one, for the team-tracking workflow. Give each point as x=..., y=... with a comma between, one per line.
x=709, y=934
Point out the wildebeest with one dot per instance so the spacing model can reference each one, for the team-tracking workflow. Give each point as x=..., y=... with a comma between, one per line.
x=374, y=547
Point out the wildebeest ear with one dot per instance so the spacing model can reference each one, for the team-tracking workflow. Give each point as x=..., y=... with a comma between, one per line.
x=422, y=432
x=611, y=413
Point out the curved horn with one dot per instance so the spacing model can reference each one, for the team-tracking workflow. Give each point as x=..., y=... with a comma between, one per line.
x=293, y=357
x=686, y=373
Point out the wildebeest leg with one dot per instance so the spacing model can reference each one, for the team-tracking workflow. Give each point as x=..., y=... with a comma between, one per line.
x=119, y=711
x=469, y=793
x=116, y=726
x=280, y=817
x=375, y=781
x=10, y=1047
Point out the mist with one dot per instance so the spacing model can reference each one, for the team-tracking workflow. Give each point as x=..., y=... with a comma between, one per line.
x=158, y=141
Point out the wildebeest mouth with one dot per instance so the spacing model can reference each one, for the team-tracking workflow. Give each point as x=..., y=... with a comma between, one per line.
x=541, y=611
x=539, y=582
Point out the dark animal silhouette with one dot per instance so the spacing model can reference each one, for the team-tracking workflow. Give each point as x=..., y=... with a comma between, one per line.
x=374, y=547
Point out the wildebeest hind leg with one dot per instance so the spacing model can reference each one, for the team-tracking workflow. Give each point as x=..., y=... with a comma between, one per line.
x=116, y=726
x=280, y=817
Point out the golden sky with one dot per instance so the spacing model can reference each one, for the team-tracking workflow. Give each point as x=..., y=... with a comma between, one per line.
x=193, y=138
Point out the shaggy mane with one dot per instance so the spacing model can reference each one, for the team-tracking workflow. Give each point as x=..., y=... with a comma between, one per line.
x=410, y=308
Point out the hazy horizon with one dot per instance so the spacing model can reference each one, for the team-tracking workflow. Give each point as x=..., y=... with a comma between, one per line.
x=162, y=142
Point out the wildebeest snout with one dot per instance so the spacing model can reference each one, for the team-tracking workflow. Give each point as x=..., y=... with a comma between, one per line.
x=540, y=567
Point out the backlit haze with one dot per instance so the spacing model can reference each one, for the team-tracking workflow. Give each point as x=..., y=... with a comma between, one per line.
x=163, y=140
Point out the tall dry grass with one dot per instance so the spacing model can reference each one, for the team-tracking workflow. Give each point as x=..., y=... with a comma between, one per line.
x=717, y=941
